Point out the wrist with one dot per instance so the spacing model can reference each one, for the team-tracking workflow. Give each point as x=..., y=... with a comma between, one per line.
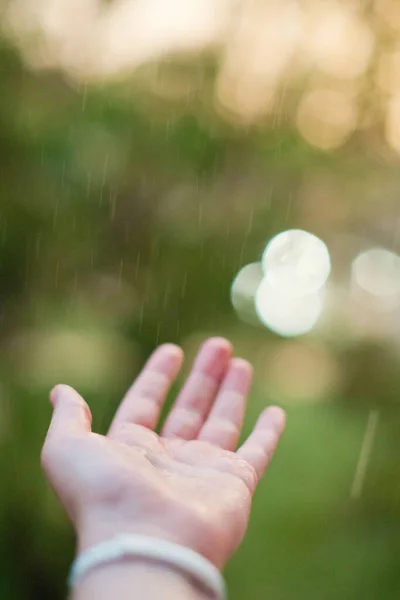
x=101, y=525
x=100, y=528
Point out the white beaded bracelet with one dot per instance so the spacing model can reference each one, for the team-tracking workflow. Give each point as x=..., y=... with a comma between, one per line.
x=179, y=557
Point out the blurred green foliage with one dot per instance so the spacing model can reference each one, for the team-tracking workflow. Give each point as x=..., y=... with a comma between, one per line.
x=123, y=221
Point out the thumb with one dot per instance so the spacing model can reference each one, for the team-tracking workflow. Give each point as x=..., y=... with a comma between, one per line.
x=71, y=420
x=71, y=414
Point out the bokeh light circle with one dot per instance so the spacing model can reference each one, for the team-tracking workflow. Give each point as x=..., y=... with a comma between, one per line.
x=377, y=271
x=243, y=292
x=326, y=118
x=296, y=263
x=314, y=372
x=286, y=315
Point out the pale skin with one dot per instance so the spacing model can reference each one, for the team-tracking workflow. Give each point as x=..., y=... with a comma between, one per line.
x=189, y=485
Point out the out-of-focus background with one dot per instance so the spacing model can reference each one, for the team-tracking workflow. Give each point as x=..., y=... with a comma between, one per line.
x=151, y=154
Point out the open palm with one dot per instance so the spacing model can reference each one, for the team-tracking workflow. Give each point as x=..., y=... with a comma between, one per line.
x=187, y=485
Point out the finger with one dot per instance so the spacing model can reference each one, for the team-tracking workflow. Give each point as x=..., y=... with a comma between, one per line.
x=143, y=402
x=71, y=421
x=259, y=447
x=71, y=414
x=194, y=402
x=224, y=423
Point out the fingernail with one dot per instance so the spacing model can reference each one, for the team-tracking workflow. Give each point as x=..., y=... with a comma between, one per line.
x=242, y=364
x=278, y=416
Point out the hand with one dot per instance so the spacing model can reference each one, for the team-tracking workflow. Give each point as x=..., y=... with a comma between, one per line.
x=187, y=485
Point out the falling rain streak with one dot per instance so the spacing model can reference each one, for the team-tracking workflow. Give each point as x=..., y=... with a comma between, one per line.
x=365, y=454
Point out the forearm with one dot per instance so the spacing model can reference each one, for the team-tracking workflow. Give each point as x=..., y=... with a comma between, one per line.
x=135, y=580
